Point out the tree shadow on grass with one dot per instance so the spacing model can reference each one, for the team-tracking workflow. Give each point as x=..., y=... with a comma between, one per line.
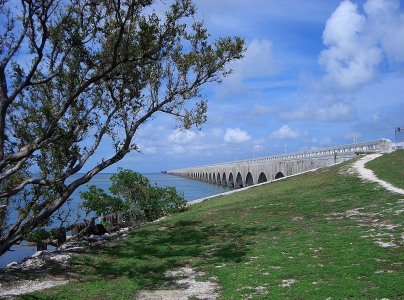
x=148, y=254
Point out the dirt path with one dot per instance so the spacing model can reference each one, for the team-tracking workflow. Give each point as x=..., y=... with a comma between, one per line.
x=367, y=174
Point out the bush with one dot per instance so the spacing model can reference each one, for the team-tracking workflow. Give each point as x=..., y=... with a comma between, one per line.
x=135, y=197
x=97, y=201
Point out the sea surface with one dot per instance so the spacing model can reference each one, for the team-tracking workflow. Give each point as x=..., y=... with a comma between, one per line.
x=191, y=189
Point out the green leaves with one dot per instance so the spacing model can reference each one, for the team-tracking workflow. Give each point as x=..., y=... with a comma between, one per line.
x=97, y=201
x=135, y=196
x=76, y=73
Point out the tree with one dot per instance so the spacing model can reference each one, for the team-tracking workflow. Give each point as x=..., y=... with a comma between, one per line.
x=76, y=73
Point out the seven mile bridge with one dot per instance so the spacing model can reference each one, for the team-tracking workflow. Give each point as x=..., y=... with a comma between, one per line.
x=248, y=172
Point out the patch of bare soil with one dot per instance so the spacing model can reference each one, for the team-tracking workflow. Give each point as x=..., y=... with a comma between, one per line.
x=185, y=287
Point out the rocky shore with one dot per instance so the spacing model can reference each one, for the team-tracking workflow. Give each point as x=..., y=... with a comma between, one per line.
x=25, y=276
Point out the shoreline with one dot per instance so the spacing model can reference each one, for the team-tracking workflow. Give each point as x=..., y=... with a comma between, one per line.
x=25, y=286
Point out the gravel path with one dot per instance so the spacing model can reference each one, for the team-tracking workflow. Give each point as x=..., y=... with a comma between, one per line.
x=367, y=174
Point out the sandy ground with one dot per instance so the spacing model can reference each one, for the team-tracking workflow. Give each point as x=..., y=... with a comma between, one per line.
x=185, y=286
x=27, y=286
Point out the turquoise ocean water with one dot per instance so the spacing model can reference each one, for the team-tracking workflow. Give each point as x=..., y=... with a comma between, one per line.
x=191, y=189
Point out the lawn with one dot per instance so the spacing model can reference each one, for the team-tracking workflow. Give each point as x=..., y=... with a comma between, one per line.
x=389, y=167
x=320, y=235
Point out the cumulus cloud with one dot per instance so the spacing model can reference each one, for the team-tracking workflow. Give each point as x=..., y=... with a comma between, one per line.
x=236, y=136
x=285, y=132
x=358, y=43
x=351, y=60
x=387, y=24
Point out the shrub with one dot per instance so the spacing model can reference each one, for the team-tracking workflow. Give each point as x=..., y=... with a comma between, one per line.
x=135, y=197
x=97, y=201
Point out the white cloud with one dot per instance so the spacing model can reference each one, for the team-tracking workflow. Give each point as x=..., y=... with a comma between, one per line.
x=182, y=137
x=258, y=62
x=285, y=132
x=236, y=136
x=335, y=112
x=351, y=60
x=387, y=24
x=357, y=44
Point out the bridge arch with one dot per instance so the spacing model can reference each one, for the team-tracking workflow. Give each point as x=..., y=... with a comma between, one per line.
x=214, y=177
x=279, y=175
x=249, y=179
x=224, y=181
x=218, y=179
x=231, y=179
x=239, y=180
x=262, y=178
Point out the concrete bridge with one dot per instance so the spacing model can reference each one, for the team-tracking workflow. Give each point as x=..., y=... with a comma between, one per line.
x=252, y=171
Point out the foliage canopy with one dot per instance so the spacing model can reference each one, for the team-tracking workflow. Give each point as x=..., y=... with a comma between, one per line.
x=76, y=73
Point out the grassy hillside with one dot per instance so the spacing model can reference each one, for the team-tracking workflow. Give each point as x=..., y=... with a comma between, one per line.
x=389, y=167
x=322, y=235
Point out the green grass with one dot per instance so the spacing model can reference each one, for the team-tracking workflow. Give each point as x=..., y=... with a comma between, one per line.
x=387, y=168
x=320, y=230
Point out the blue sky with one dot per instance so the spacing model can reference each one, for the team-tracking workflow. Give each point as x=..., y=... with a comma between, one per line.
x=315, y=74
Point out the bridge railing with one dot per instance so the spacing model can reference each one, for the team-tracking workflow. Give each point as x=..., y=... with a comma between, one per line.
x=380, y=145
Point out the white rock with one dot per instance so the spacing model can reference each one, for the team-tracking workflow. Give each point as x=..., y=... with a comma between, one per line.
x=36, y=254
x=12, y=264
